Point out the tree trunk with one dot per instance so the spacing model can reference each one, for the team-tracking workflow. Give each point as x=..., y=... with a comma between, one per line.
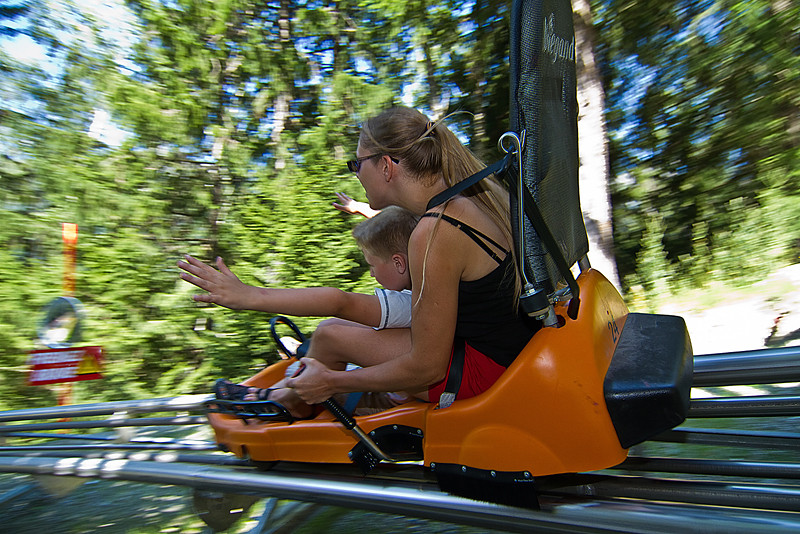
x=284, y=97
x=593, y=147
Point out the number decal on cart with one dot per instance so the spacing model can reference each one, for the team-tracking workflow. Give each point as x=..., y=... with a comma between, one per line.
x=612, y=326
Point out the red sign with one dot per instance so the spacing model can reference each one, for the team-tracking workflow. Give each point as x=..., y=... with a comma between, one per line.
x=53, y=366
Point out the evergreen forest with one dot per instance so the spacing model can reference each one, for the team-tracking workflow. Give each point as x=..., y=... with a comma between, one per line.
x=222, y=128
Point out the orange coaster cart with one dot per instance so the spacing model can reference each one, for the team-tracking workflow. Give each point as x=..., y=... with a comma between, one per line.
x=595, y=380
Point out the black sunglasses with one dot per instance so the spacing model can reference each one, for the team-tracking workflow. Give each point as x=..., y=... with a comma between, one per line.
x=354, y=165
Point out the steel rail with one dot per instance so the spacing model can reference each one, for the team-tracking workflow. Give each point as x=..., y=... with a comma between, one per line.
x=78, y=437
x=692, y=436
x=725, y=468
x=107, y=423
x=166, y=453
x=649, y=465
x=765, y=366
x=602, y=486
x=413, y=499
x=762, y=496
x=734, y=438
x=182, y=403
x=200, y=446
x=92, y=437
x=169, y=456
x=754, y=406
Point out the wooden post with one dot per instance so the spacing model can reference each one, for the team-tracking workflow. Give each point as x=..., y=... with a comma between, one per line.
x=69, y=232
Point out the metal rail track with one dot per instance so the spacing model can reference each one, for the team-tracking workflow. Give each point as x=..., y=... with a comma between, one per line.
x=566, y=513
x=644, y=494
x=765, y=366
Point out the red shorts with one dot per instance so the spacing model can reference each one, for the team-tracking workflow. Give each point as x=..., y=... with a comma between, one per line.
x=480, y=372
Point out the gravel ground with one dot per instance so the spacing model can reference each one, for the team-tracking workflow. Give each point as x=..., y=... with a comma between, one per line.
x=98, y=506
x=72, y=505
x=106, y=506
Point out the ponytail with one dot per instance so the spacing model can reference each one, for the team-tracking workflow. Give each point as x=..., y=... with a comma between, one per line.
x=429, y=150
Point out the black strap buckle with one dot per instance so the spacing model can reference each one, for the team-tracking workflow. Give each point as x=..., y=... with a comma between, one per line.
x=454, y=374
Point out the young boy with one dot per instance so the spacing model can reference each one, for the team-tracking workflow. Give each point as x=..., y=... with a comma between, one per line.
x=383, y=239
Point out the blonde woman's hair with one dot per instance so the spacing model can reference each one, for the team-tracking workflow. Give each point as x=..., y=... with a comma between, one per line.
x=429, y=150
x=386, y=233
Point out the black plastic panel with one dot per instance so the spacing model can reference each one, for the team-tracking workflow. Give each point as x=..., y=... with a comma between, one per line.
x=648, y=383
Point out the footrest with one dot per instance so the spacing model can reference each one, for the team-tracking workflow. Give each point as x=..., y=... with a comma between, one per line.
x=263, y=410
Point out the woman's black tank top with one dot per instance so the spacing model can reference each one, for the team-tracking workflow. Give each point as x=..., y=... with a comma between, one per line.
x=488, y=317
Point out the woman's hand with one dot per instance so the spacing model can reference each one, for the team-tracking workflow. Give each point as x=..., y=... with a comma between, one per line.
x=348, y=205
x=224, y=288
x=312, y=382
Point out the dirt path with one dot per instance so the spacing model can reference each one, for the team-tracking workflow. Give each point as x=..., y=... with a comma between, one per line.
x=766, y=316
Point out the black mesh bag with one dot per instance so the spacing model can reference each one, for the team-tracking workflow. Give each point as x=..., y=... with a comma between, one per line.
x=544, y=105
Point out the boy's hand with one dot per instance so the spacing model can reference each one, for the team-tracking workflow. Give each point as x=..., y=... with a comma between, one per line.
x=224, y=288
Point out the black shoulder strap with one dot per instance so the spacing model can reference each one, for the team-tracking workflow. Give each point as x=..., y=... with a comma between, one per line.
x=476, y=235
x=495, y=168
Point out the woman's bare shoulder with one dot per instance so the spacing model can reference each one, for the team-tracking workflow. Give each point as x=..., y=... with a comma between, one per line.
x=474, y=215
x=433, y=232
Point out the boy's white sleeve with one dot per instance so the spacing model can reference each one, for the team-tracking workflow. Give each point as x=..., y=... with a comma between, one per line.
x=395, y=308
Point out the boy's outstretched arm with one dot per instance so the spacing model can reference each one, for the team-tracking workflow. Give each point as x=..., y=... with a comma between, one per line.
x=225, y=289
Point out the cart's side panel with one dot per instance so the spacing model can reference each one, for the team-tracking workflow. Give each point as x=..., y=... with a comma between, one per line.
x=547, y=413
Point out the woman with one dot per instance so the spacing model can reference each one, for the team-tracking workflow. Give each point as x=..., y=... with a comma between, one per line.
x=463, y=275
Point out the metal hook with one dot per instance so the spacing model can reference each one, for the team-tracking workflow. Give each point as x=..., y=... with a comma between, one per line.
x=518, y=146
x=517, y=141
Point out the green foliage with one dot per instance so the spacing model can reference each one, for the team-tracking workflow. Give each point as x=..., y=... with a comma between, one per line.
x=653, y=271
x=239, y=117
x=704, y=108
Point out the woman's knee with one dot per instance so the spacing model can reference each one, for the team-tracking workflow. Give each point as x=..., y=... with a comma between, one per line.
x=331, y=331
x=330, y=338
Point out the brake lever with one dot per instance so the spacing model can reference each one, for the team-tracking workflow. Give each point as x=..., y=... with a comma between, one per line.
x=348, y=421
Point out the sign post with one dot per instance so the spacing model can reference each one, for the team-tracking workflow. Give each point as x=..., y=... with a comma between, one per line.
x=69, y=234
x=60, y=328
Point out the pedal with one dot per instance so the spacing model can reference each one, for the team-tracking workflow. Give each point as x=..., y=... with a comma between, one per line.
x=268, y=411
